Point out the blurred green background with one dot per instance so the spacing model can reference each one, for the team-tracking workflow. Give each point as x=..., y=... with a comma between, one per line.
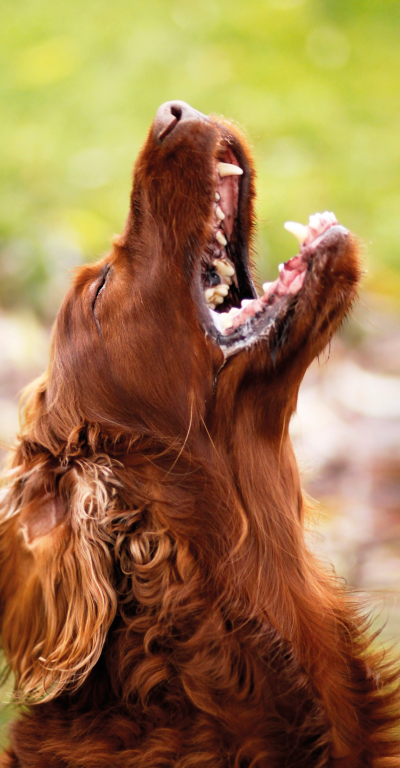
x=315, y=83
x=316, y=86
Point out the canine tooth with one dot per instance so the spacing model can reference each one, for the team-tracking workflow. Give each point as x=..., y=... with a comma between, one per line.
x=245, y=302
x=223, y=268
x=220, y=238
x=217, y=197
x=220, y=214
x=266, y=286
x=298, y=230
x=228, y=169
x=280, y=267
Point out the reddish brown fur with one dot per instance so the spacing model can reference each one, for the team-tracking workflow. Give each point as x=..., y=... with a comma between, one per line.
x=158, y=601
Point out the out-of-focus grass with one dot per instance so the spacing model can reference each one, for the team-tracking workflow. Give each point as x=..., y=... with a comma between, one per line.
x=7, y=711
x=315, y=83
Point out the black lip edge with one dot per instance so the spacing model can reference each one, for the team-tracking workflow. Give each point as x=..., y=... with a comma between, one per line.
x=255, y=328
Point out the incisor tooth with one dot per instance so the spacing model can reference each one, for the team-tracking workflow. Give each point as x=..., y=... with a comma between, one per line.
x=223, y=268
x=280, y=267
x=217, y=197
x=220, y=213
x=220, y=238
x=228, y=169
x=226, y=320
x=296, y=229
x=246, y=302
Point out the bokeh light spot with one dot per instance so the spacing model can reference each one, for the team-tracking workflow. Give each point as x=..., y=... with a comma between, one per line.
x=285, y=5
x=287, y=158
x=90, y=168
x=46, y=63
x=328, y=47
x=209, y=65
x=196, y=15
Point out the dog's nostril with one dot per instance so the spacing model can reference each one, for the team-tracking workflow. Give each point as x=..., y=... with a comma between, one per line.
x=170, y=121
x=169, y=115
x=176, y=112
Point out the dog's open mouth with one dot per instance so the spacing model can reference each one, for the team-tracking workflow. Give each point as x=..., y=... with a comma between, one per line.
x=229, y=308
x=218, y=271
x=239, y=320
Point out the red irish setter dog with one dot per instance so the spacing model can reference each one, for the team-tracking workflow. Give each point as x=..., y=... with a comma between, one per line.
x=159, y=606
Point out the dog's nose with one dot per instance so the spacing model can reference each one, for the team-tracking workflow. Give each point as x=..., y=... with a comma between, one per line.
x=170, y=114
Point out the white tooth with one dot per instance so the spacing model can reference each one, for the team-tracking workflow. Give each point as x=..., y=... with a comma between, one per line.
x=245, y=302
x=226, y=320
x=298, y=230
x=216, y=295
x=280, y=267
x=266, y=286
x=234, y=311
x=220, y=238
x=209, y=294
x=220, y=214
x=217, y=197
x=223, y=268
x=227, y=169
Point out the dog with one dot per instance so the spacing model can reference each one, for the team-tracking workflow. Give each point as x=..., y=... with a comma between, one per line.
x=159, y=606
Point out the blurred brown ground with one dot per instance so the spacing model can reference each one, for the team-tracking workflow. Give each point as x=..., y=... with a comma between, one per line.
x=346, y=434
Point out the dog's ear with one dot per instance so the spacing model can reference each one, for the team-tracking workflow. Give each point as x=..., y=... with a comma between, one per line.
x=56, y=575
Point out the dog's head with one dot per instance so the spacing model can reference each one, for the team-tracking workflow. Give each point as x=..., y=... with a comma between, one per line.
x=137, y=340
x=142, y=334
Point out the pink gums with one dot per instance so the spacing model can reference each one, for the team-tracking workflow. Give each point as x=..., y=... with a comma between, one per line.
x=292, y=275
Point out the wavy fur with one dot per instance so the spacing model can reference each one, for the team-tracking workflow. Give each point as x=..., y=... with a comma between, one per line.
x=158, y=603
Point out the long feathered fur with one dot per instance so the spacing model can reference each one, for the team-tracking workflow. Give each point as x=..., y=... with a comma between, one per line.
x=159, y=606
